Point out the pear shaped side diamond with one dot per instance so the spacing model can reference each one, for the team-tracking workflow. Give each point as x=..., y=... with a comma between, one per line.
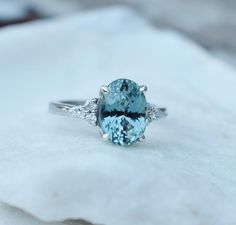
x=154, y=113
x=88, y=111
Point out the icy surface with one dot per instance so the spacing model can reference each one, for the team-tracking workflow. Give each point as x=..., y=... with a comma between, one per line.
x=58, y=168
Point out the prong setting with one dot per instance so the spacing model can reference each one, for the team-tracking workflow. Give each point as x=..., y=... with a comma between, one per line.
x=104, y=136
x=104, y=89
x=142, y=138
x=143, y=88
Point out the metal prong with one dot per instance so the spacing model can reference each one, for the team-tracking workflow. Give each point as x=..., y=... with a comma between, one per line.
x=104, y=89
x=104, y=136
x=142, y=138
x=143, y=88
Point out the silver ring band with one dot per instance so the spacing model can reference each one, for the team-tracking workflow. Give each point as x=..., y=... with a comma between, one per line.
x=63, y=107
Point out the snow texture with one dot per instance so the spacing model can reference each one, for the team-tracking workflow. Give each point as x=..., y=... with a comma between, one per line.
x=57, y=168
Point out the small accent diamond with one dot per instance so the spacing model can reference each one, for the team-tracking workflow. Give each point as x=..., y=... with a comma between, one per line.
x=154, y=113
x=88, y=111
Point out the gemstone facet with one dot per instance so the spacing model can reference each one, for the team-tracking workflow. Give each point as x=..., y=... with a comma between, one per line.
x=122, y=112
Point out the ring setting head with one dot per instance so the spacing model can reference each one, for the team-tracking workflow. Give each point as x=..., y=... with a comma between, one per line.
x=143, y=88
x=122, y=111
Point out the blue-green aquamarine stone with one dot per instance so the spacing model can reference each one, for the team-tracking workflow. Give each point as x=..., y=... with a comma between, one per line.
x=122, y=112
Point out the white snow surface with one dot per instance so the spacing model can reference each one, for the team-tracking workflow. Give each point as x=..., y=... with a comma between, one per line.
x=57, y=168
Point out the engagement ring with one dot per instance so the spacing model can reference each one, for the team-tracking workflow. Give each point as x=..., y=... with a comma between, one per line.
x=122, y=111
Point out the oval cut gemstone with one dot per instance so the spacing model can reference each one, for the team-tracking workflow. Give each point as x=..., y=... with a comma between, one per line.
x=122, y=112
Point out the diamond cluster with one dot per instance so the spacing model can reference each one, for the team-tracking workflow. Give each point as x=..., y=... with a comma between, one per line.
x=88, y=111
x=154, y=113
